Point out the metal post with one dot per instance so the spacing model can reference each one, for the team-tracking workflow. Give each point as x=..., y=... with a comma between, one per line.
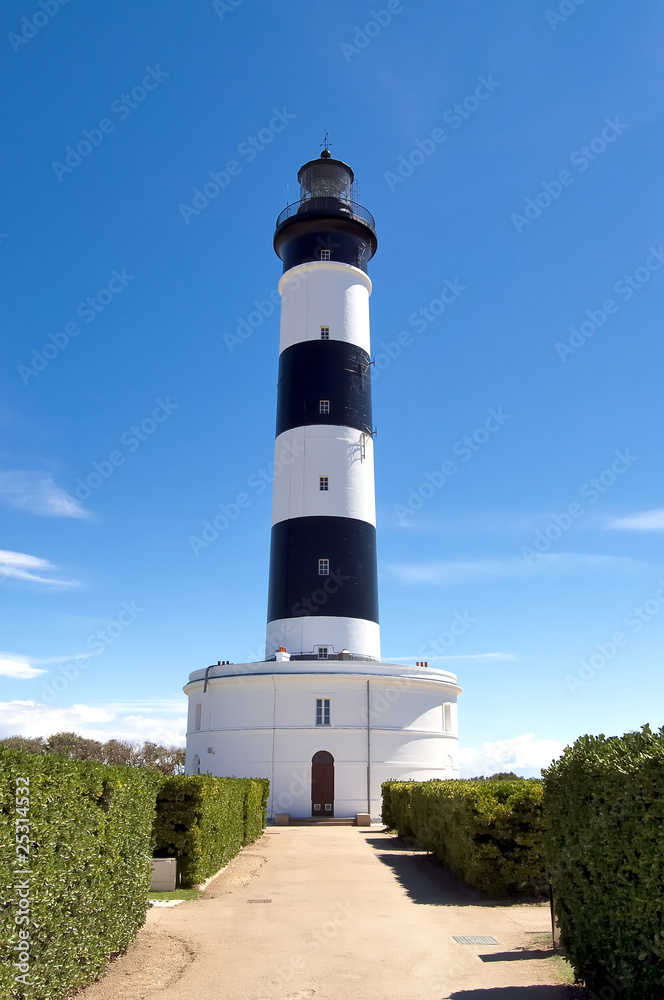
x=553, y=918
x=368, y=751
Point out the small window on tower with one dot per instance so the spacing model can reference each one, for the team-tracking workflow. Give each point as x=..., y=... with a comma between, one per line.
x=324, y=406
x=197, y=719
x=447, y=718
x=323, y=567
x=325, y=255
x=324, y=333
x=324, y=482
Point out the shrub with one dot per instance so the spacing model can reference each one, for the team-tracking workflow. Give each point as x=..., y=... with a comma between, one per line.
x=386, y=809
x=265, y=797
x=604, y=843
x=488, y=832
x=256, y=793
x=85, y=892
x=203, y=821
x=397, y=809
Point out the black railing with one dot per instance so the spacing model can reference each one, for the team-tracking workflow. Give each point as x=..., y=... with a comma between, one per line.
x=328, y=206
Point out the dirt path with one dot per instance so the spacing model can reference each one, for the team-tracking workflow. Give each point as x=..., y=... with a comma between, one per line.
x=334, y=912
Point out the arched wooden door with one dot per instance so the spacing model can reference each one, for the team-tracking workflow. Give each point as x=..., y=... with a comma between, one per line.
x=322, y=784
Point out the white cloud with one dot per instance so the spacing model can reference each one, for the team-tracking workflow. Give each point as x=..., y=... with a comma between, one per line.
x=518, y=754
x=645, y=520
x=37, y=493
x=446, y=573
x=169, y=732
x=152, y=705
x=18, y=667
x=96, y=722
x=20, y=566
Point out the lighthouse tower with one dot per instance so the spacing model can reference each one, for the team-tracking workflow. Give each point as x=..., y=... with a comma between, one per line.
x=323, y=592
x=322, y=716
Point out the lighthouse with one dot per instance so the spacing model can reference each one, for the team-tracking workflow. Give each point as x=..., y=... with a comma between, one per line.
x=323, y=589
x=323, y=717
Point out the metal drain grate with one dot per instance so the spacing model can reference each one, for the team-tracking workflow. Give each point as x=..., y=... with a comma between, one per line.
x=261, y=901
x=474, y=939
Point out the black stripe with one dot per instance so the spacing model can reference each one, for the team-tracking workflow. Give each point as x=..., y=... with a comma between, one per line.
x=300, y=241
x=297, y=590
x=324, y=369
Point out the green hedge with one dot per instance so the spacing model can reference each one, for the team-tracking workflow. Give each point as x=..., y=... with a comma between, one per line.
x=395, y=812
x=489, y=833
x=604, y=807
x=204, y=821
x=88, y=828
x=254, y=828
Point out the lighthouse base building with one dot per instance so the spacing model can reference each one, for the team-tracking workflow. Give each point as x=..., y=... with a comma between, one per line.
x=326, y=733
x=322, y=717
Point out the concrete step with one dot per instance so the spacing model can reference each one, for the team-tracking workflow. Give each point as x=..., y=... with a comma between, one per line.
x=323, y=821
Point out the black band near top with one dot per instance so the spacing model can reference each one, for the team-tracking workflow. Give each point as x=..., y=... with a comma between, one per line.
x=341, y=238
x=331, y=371
x=297, y=589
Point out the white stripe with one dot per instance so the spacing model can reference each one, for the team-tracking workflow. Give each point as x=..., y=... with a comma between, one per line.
x=325, y=294
x=304, y=454
x=305, y=635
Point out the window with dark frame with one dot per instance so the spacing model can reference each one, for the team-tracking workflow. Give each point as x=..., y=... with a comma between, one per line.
x=324, y=483
x=322, y=707
x=324, y=333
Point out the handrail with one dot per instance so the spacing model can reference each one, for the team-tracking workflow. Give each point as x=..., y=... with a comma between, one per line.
x=327, y=206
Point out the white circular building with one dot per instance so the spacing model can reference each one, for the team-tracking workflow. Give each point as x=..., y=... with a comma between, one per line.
x=373, y=721
x=322, y=717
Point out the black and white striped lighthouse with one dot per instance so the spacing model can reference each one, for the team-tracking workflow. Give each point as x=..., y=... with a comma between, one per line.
x=323, y=593
x=326, y=733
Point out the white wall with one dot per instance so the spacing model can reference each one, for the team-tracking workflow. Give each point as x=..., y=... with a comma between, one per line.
x=310, y=631
x=262, y=724
x=325, y=294
x=325, y=450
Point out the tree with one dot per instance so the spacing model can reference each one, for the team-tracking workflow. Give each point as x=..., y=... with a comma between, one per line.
x=168, y=760
x=119, y=752
x=75, y=747
x=34, y=744
x=499, y=776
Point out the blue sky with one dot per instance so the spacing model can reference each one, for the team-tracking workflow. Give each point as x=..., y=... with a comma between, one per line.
x=511, y=155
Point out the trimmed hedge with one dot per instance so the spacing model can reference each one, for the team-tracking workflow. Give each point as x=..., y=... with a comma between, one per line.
x=255, y=831
x=604, y=807
x=204, y=821
x=85, y=888
x=489, y=833
x=395, y=812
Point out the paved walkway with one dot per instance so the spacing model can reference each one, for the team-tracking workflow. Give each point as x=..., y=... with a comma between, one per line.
x=336, y=912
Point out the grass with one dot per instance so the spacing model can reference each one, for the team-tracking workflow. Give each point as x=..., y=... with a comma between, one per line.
x=178, y=894
x=563, y=969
